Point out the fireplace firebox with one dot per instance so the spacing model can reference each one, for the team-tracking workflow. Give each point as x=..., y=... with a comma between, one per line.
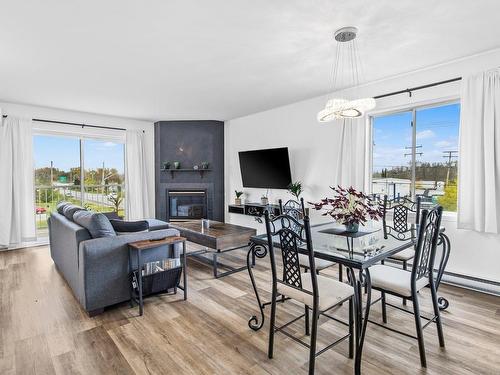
x=186, y=204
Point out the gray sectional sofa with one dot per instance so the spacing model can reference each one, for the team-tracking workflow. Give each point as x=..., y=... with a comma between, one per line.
x=96, y=269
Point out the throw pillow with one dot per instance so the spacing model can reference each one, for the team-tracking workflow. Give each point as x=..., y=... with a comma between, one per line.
x=60, y=207
x=96, y=223
x=70, y=209
x=126, y=227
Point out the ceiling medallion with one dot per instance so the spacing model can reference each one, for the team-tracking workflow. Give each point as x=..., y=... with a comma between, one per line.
x=339, y=108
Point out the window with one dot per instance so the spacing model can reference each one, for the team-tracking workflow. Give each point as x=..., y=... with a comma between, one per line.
x=415, y=153
x=59, y=162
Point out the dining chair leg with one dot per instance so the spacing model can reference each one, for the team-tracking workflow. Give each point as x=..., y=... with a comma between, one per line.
x=405, y=267
x=340, y=272
x=435, y=306
x=307, y=320
x=351, y=328
x=272, y=321
x=314, y=333
x=418, y=326
x=384, y=307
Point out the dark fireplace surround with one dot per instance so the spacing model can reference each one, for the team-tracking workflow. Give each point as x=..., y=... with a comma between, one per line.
x=188, y=194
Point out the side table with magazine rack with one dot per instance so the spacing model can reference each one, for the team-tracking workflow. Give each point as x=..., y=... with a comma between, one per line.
x=162, y=276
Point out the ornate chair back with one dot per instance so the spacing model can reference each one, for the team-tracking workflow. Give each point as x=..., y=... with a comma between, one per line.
x=400, y=228
x=294, y=209
x=291, y=234
x=425, y=249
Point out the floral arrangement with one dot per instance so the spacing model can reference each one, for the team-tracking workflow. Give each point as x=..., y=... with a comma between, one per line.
x=350, y=207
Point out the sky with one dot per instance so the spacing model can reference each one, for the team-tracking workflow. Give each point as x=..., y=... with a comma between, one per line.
x=437, y=131
x=65, y=153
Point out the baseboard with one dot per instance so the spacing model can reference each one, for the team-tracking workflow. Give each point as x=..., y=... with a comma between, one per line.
x=463, y=281
x=472, y=283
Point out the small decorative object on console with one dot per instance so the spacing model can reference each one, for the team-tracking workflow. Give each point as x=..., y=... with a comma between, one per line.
x=204, y=165
x=177, y=164
x=195, y=167
x=350, y=208
x=166, y=165
x=237, y=200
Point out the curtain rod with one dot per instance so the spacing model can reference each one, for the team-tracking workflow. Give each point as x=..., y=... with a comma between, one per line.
x=76, y=124
x=409, y=91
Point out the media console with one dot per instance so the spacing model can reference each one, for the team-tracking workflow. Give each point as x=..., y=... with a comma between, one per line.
x=254, y=209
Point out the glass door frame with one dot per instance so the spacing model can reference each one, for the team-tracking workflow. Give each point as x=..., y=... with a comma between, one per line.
x=81, y=140
x=413, y=110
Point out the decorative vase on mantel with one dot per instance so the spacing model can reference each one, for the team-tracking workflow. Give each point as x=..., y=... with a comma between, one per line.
x=352, y=227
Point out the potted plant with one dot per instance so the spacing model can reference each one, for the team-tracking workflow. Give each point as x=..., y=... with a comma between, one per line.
x=295, y=188
x=237, y=200
x=350, y=208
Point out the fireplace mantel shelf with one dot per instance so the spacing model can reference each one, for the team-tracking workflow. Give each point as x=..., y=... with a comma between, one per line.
x=200, y=171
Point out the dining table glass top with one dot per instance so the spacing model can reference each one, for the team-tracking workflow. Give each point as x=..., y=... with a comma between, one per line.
x=360, y=250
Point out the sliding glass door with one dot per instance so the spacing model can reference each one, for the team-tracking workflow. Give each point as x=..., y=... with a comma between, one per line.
x=104, y=177
x=415, y=154
x=86, y=172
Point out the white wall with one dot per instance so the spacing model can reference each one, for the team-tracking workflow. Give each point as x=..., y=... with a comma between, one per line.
x=91, y=119
x=313, y=155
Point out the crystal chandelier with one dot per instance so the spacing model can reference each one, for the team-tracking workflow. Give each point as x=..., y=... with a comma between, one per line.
x=339, y=108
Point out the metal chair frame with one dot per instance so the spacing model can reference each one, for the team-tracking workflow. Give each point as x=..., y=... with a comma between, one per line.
x=423, y=266
x=290, y=238
x=297, y=211
x=401, y=230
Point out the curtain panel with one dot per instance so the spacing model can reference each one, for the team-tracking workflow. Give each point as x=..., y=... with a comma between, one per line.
x=479, y=153
x=352, y=154
x=137, y=200
x=17, y=214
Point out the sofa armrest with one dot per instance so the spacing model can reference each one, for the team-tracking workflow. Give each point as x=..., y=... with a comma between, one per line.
x=104, y=267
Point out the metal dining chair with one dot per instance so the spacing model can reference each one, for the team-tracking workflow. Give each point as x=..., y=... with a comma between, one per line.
x=407, y=284
x=316, y=292
x=401, y=227
x=298, y=212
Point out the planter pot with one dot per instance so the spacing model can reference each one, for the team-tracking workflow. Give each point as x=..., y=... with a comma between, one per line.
x=264, y=201
x=237, y=201
x=352, y=227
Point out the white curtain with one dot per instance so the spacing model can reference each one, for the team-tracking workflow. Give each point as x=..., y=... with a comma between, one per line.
x=352, y=164
x=17, y=207
x=137, y=200
x=479, y=150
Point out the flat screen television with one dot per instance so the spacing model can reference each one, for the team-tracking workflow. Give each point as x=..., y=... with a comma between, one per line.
x=268, y=169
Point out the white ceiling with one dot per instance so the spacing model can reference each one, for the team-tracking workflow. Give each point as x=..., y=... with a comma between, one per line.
x=187, y=59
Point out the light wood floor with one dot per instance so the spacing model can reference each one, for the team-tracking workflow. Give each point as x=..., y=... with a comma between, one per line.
x=43, y=330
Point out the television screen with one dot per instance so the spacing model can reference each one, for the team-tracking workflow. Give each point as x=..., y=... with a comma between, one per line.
x=268, y=169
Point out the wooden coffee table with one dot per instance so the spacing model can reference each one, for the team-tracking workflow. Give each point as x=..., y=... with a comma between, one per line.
x=218, y=239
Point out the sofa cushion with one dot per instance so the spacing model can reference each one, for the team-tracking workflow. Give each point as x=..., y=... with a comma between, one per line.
x=112, y=215
x=127, y=227
x=96, y=223
x=155, y=224
x=60, y=207
x=70, y=209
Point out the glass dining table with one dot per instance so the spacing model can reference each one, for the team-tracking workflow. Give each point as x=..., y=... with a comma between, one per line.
x=355, y=251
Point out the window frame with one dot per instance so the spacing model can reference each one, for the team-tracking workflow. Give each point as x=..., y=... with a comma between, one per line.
x=81, y=137
x=401, y=109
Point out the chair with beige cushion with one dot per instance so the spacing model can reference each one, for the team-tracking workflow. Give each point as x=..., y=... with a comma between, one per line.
x=318, y=293
x=402, y=226
x=407, y=284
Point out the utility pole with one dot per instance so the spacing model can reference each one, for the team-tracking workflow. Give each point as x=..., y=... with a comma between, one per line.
x=51, y=172
x=449, y=155
x=413, y=154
